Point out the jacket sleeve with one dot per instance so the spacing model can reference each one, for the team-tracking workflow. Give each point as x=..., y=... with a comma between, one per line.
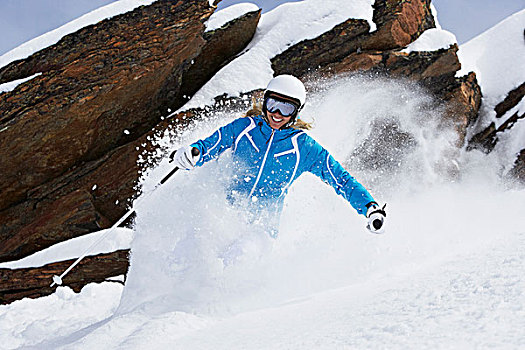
x=322, y=164
x=221, y=140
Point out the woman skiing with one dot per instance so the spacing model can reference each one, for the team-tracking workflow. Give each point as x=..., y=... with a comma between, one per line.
x=271, y=150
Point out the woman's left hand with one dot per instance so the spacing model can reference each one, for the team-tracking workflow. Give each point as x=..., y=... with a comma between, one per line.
x=376, y=218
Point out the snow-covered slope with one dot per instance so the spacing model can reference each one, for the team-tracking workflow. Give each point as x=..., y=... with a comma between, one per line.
x=497, y=57
x=446, y=274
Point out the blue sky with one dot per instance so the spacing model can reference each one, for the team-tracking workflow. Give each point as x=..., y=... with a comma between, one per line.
x=22, y=20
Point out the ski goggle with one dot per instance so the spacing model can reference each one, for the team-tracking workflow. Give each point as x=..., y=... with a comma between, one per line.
x=285, y=108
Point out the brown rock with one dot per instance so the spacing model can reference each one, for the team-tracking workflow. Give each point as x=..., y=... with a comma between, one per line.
x=67, y=207
x=79, y=111
x=35, y=282
x=484, y=140
x=462, y=98
x=518, y=171
x=384, y=148
x=35, y=226
x=221, y=47
x=355, y=62
x=510, y=101
x=60, y=147
x=331, y=46
x=430, y=68
x=399, y=22
x=46, y=217
x=434, y=70
x=487, y=139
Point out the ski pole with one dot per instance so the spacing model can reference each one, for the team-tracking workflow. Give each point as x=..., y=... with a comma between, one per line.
x=58, y=279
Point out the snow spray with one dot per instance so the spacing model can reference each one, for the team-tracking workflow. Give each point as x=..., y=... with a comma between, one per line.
x=194, y=252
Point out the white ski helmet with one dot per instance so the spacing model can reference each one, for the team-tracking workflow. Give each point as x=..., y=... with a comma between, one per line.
x=289, y=86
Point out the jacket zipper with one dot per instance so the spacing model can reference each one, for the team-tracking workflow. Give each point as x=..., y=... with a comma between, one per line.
x=269, y=142
x=271, y=136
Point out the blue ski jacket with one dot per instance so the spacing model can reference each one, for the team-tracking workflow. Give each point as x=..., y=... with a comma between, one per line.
x=269, y=161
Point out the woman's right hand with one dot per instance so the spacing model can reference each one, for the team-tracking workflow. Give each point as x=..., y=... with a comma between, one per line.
x=185, y=157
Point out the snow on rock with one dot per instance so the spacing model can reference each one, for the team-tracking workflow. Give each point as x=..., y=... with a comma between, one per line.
x=275, y=33
x=497, y=57
x=52, y=37
x=432, y=40
x=512, y=141
x=435, y=14
x=10, y=86
x=71, y=249
x=220, y=18
x=28, y=322
x=518, y=108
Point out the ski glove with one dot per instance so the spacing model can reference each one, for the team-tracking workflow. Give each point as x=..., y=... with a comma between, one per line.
x=185, y=157
x=376, y=218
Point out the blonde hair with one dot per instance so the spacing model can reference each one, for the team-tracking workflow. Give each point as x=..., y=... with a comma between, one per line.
x=258, y=110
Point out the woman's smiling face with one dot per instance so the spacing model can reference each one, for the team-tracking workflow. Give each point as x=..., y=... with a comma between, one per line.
x=276, y=120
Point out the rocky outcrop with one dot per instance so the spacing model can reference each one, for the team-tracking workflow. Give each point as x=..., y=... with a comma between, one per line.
x=399, y=22
x=462, y=99
x=80, y=110
x=518, y=171
x=434, y=70
x=16, y=284
x=309, y=55
x=118, y=172
x=511, y=100
x=350, y=48
x=70, y=138
x=340, y=51
x=487, y=139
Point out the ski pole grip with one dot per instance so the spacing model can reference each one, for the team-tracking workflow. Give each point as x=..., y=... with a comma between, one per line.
x=194, y=152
